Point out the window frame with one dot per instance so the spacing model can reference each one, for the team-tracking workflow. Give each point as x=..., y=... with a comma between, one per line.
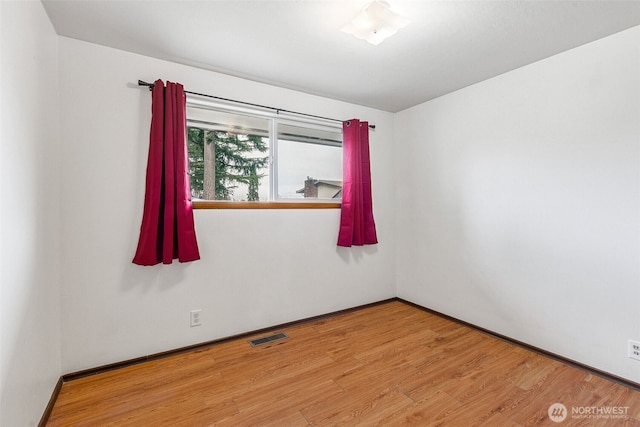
x=274, y=117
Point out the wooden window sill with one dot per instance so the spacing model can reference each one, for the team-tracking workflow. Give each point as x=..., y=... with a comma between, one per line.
x=209, y=204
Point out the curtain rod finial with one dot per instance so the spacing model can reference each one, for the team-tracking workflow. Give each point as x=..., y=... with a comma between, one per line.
x=142, y=83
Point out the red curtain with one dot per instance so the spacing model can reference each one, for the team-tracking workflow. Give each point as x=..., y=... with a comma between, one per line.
x=167, y=231
x=357, y=226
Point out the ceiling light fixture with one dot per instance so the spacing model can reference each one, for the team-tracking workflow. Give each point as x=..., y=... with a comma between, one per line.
x=375, y=23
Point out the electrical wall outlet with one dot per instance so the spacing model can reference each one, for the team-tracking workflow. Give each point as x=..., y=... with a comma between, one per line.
x=634, y=350
x=196, y=317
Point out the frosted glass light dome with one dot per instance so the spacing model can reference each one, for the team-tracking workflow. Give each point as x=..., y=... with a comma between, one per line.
x=375, y=23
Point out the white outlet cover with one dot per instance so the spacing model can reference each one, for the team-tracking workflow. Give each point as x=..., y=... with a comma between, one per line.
x=195, y=318
x=634, y=350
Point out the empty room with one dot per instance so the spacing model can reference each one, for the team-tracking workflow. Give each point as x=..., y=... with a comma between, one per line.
x=319, y=213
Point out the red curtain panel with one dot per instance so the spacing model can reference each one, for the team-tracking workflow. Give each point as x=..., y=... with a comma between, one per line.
x=357, y=226
x=167, y=231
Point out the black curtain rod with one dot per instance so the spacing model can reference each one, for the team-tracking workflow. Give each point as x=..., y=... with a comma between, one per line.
x=277, y=110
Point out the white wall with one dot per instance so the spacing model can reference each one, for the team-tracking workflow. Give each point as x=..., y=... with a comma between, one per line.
x=259, y=267
x=519, y=203
x=29, y=213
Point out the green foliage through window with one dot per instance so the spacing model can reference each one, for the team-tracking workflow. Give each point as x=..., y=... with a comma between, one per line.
x=221, y=162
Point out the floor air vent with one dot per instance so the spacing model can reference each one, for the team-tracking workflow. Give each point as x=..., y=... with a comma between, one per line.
x=268, y=339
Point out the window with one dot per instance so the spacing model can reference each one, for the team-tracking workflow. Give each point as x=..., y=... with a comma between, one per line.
x=309, y=163
x=228, y=155
x=250, y=156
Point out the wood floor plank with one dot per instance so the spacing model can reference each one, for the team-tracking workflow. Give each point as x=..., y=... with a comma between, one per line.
x=432, y=410
x=362, y=408
x=390, y=365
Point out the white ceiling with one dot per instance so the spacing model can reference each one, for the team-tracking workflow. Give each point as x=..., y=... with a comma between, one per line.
x=298, y=44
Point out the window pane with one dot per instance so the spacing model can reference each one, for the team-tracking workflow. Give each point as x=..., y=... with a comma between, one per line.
x=228, y=155
x=309, y=163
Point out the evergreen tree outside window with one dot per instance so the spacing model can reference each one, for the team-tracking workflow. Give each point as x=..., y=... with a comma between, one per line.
x=223, y=164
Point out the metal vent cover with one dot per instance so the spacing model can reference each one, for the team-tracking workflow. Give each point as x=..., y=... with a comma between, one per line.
x=268, y=339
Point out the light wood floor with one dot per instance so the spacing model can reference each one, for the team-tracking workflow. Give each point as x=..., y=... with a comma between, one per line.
x=388, y=365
